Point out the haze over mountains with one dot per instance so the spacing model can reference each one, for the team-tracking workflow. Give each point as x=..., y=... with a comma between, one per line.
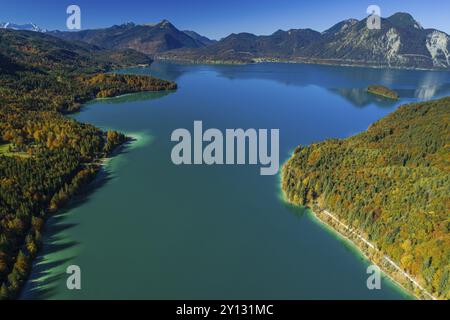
x=400, y=43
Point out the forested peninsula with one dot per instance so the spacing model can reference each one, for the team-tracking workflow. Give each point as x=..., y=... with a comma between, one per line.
x=387, y=190
x=46, y=157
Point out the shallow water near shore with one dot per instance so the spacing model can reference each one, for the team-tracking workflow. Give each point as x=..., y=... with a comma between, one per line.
x=151, y=230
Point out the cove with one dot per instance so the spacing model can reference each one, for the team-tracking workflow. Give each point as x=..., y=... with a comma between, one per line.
x=149, y=229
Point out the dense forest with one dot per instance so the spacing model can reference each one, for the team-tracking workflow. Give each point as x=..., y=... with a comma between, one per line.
x=45, y=157
x=392, y=183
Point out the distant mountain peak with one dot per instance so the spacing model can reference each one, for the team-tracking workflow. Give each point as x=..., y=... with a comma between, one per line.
x=165, y=24
x=27, y=26
x=146, y=38
x=404, y=20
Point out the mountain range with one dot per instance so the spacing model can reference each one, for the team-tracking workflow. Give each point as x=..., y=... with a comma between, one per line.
x=146, y=38
x=27, y=26
x=401, y=42
x=25, y=51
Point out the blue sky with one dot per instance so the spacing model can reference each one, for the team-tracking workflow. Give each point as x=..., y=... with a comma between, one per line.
x=217, y=19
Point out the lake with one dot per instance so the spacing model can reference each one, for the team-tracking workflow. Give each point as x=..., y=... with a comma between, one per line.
x=149, y=229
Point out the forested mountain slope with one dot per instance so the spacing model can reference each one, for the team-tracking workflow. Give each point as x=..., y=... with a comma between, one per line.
x=146, y=38
x=392, y=183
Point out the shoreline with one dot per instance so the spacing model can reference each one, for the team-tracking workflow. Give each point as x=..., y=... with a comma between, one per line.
x=368, y=250
x=367, y=255
x=382, y=95
x=131, y=139
x=333, y=63
x=97, y=164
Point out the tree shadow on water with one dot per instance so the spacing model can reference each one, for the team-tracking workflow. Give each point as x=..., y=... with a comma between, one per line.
x=58, y=251
x=47, y=275
x=45, y=287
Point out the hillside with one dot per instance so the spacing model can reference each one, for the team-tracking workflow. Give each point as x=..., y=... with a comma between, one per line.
x=39, y=50
x=400, y=43
x=391, y=183
x=45, y=157
x=149, y=39
x=202, y=39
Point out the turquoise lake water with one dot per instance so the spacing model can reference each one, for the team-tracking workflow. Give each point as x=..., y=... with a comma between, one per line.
x=152, y=230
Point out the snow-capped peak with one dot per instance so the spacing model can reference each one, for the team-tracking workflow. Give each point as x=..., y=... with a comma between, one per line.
x=27, y=26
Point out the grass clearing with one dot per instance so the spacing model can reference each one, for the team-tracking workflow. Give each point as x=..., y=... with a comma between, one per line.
x=5, y=151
